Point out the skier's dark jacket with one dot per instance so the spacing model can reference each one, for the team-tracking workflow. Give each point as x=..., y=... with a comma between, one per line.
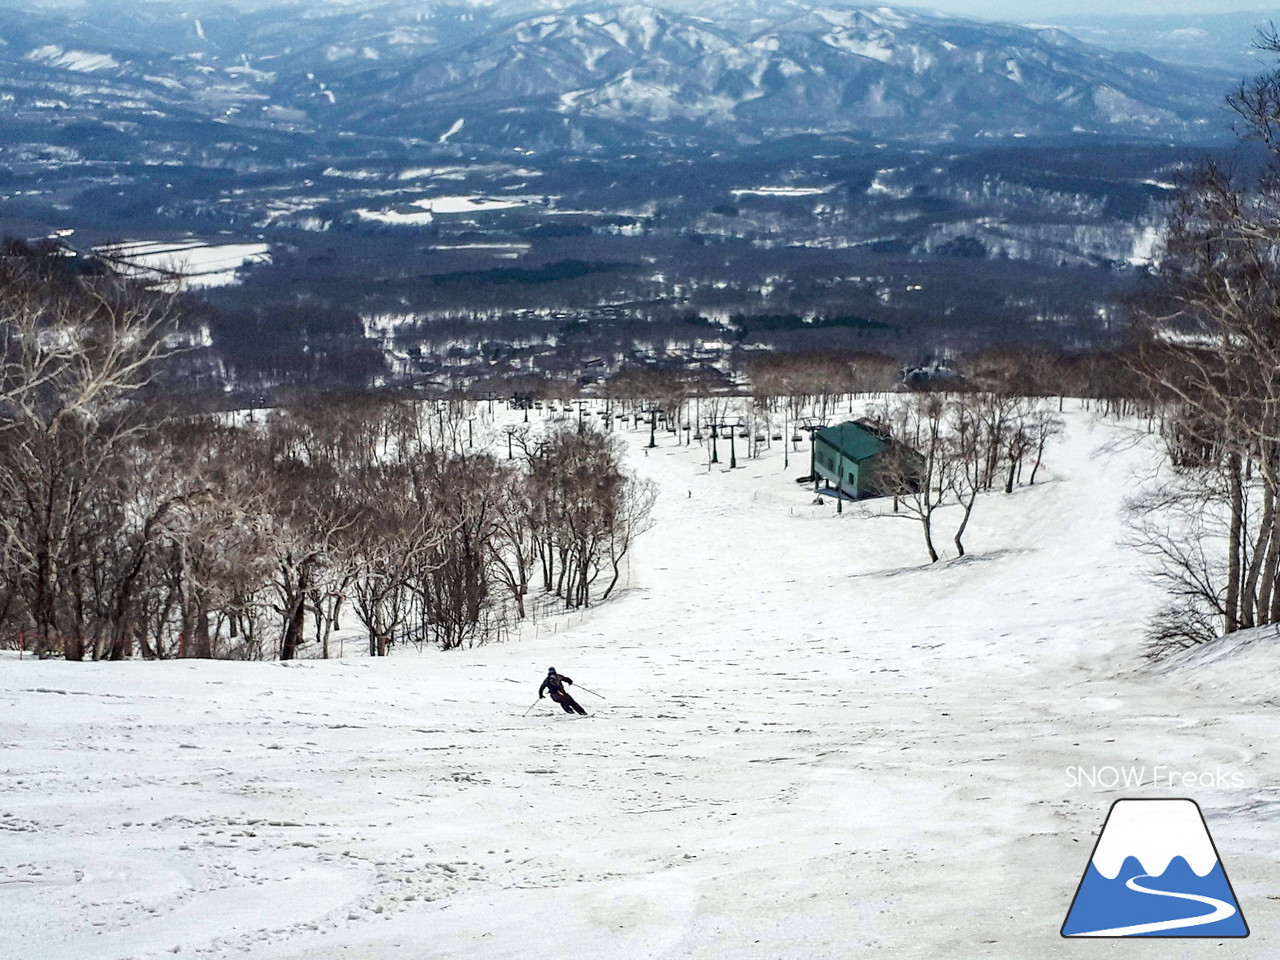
x=555, y=685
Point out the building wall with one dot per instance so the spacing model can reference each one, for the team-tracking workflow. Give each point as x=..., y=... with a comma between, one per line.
x=836, y=468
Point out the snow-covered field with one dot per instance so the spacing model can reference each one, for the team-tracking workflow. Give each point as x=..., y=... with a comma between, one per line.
x=781, y=191
x=813, y=745
x=420, y=212
x=195, y=263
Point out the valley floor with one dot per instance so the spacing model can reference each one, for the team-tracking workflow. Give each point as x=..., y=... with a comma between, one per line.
x=813, y=745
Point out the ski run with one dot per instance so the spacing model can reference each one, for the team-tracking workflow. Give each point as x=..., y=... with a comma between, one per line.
x=809, y=743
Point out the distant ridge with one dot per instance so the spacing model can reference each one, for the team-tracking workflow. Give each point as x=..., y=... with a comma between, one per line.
x=588, y=77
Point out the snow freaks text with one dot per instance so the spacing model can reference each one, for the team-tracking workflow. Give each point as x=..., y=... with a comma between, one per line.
x=1158, y=775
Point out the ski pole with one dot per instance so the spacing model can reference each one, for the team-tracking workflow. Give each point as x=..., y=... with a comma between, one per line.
x=592, y=692
x=531, y=706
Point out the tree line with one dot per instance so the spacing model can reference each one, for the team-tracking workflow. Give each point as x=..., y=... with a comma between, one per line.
x=946, y=449
x=129, y=527
x=1207, y=363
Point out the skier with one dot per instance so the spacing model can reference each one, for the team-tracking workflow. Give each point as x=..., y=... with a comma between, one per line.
x=554, y=684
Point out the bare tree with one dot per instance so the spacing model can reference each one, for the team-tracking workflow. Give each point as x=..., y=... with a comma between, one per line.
x=1211, y=365
x=967, y=446
x=514, y=545
x=212, y=561
x=310, y=506
x=126, y=528
x=454, y=583
x=388, y=547
x=917, y=469
x=586, y=510
x=77, y=352
x=1043, y=427
x=632, y=516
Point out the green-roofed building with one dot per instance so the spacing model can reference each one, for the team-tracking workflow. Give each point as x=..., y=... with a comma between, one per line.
x=853, y=456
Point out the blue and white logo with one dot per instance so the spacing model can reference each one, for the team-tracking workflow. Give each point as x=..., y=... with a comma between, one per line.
x=1155, y=873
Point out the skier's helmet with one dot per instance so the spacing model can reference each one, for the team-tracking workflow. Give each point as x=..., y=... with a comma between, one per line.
x=551, y=669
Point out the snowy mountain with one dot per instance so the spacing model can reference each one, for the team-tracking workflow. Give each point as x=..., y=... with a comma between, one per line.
x=587, y=77
x=1155, y=873
x=808, y=69
x=1154, y=832
x=675, y=146
x=1223, y=40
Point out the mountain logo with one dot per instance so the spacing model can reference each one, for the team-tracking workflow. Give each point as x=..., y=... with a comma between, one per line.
x=1155, y=873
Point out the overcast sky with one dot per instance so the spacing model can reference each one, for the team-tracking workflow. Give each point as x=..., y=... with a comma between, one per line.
x=1015, y=11
x=1041, y=10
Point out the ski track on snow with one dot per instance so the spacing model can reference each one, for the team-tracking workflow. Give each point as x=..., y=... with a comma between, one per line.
x=813, y=745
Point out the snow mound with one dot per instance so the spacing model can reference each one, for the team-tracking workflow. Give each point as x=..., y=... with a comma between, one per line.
x=1240, y=666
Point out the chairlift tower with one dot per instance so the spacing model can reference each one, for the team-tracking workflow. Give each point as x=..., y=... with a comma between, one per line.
x=653, y=411
x=715, y=452
x=733, y=427
x=811, y=425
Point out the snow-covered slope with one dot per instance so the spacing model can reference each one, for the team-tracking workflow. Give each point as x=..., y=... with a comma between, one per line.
x=811, y=744
x=588, y=76
x=797, y=68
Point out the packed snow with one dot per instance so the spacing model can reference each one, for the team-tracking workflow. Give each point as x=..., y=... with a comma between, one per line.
x=805, y=742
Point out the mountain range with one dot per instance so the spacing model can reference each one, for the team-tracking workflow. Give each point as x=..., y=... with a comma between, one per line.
x=599, y=76
x=1227, y=41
